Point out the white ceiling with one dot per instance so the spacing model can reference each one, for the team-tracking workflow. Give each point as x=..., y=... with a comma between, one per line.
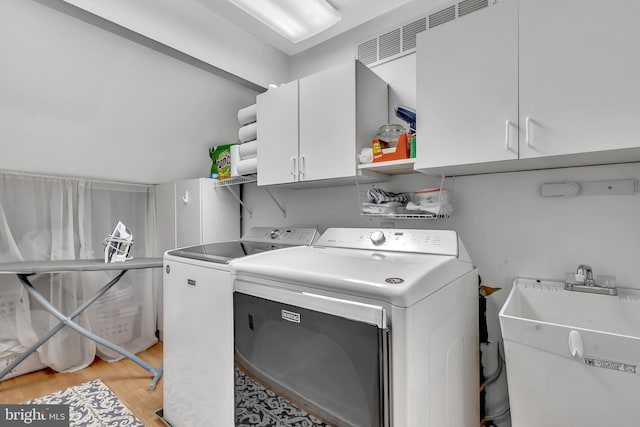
x=354, y=13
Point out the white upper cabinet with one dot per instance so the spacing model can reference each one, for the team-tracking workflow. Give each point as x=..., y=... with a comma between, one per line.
x=278, y=135
x=579, y=70
x=310, y=130
x=328, y=124
x=467, y=83
x=529, y=84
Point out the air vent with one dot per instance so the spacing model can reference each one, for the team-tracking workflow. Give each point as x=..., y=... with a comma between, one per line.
x=402, y=41
x=368, y=52
x=389, y=44
x=409, y=33
x=466, y=7
x=445, y=15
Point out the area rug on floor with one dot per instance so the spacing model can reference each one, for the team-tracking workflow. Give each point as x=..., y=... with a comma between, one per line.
x=258, y=406
x=92, y=404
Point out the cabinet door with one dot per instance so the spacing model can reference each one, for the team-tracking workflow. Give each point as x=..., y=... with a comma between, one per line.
x=278, y=135
x=467, y=89
x=188, y=217
x=220, y=213
x=579, y=68
x=327, y=124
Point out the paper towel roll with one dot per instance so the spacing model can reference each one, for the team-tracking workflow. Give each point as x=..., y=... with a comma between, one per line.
x=247, y=166
x=235, y=159
x=248, y=132
x=248, y=114
x=248, y=150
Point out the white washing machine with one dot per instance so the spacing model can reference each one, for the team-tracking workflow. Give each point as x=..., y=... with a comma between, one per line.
x=365, y=328
x=198, y=325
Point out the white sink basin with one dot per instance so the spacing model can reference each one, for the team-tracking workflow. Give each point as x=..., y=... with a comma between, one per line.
x=592, y=381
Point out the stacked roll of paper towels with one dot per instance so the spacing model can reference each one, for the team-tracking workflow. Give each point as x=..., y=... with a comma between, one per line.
x=244, y=155
x=248, y=132
x=247, y=115
x=242, y=165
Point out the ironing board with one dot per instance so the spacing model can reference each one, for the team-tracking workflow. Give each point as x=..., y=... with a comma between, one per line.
x=29, y=268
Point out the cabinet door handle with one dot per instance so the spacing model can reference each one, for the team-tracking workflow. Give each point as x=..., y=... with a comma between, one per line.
x=301, y=166
x=527, y=135
x=292, y=166
x=506, y=138
x=185, y=198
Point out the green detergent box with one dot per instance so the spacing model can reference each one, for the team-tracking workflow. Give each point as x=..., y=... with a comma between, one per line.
x=220, y=162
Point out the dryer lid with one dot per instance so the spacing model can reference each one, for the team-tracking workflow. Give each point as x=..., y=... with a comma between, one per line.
x=399, y=278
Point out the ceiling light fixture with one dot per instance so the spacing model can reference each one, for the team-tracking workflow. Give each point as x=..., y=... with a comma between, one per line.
x=296, y=20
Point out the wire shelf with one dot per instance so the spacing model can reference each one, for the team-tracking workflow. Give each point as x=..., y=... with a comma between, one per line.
x=234, y=181
x=405, y=215
x=401, y=212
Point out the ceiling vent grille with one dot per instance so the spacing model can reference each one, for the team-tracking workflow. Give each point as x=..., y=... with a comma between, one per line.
x=389, y=44
x=368, y=52
x=445, y=15
x=402, y=41
x=468, y=6
x=409, y=33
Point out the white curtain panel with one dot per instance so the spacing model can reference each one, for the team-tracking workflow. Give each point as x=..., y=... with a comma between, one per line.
x=52, y=218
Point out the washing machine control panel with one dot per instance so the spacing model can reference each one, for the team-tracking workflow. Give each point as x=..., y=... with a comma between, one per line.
x=282, y=236
x=440, y=242
x=377, y=237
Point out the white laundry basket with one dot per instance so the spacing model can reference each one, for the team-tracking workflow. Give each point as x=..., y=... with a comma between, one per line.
x=573, y=359
x=31, y=364
x=115, y=326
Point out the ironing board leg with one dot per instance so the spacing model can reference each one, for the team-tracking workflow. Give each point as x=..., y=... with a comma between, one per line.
x=68, y=321
x=25, y=282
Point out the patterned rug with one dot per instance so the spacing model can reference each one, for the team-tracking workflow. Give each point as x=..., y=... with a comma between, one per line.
x=258, y=406
x=92, y=404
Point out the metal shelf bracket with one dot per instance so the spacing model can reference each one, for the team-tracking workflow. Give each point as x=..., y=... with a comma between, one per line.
x=245, y=180
x=282, y=209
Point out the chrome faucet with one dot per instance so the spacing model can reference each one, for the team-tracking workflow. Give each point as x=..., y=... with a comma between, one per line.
x=584, y=282
x=584, y=271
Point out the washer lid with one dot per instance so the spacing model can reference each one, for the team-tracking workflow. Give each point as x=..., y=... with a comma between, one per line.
x=399, y=278
x=257, y=239
x=220, y=252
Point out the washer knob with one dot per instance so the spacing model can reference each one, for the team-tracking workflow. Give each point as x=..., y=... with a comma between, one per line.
x=377, y=237
x=274, y=234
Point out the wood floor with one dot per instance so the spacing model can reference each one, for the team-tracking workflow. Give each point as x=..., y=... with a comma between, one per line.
x=125, y=378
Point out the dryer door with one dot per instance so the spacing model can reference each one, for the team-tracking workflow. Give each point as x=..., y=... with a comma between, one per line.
x=326, y=355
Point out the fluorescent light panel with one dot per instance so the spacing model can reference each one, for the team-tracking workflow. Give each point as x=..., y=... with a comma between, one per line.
x=296, y=20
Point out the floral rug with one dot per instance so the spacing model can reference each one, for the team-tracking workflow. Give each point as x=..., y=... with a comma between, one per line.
x=258, y=406
x=92, y=404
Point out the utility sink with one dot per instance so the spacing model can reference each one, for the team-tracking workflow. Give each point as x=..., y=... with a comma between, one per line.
x=573, y=359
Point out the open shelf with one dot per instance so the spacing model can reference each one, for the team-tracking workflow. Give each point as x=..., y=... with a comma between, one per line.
x=392, y=167
x=233, y=181
x=406, y=215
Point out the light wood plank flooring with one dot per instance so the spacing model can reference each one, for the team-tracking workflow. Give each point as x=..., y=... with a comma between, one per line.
x=125, y=378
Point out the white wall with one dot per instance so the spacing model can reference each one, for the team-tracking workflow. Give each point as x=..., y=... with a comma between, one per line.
x=508, y=228
x=194, y=29
x=76, y=100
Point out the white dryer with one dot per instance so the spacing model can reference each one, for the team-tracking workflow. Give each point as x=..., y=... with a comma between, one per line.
x=365, y=328
x=198, y=325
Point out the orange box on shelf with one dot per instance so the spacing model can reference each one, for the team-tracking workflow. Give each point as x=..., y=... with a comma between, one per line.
x=401, y=150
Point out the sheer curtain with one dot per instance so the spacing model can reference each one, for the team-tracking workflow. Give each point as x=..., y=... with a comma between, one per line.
x=51, y=218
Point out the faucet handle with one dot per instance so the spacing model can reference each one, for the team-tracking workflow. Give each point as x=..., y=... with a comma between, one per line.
x=585, y=274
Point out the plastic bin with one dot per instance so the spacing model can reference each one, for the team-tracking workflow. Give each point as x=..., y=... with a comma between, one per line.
x=116, y=326
x=31, y=364
x=115, y=299
x=573, y=359
x=9, y=303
